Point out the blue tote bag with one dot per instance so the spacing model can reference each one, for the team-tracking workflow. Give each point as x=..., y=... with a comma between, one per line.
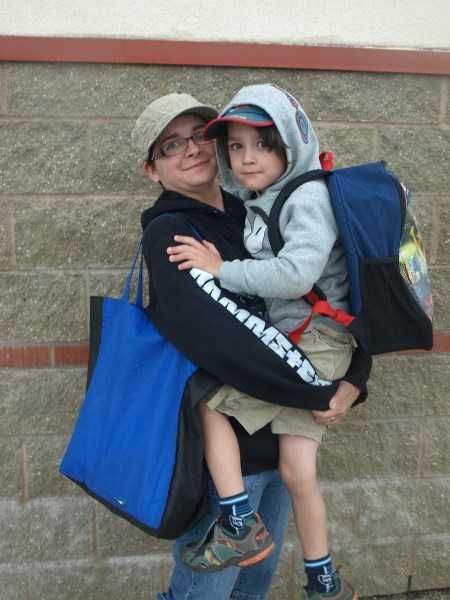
x=137, y=444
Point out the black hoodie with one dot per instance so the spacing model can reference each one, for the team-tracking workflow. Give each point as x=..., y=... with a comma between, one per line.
x=223, y=333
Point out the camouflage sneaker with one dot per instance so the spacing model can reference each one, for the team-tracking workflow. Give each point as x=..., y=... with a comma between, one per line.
x=220, y=549
x=343, y=590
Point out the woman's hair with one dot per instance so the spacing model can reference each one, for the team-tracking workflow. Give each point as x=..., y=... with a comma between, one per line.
x=270, y=137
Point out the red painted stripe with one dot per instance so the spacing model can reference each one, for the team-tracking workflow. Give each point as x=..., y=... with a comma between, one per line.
x=67, y=354
x=77, y=354
x=441, y=343
x=24, y=356
x=104, y=50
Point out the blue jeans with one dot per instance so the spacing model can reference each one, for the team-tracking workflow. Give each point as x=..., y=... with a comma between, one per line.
x=268, y=496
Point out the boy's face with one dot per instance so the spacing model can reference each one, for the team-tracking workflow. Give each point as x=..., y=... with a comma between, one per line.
x=252, y=163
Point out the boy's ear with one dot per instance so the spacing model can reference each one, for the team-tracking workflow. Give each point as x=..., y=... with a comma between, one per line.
x=152, y=172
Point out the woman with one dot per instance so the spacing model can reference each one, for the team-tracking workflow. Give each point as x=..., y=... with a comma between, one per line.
x=224, y=334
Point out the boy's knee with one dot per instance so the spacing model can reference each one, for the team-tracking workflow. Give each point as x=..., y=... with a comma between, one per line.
x=294, y=475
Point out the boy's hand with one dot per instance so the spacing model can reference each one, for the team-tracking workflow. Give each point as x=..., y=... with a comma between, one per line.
x=192, y=254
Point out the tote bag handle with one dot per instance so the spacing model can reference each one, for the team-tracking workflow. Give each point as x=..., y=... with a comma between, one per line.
x=139, y=289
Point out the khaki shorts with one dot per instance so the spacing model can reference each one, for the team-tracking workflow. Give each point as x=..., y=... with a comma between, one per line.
x=328, y=350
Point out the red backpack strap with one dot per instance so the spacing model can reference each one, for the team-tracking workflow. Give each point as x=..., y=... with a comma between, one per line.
x=321, y=307
x=326, y=160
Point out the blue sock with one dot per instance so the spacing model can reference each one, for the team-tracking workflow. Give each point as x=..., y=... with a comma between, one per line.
x=319, y=574
x=235, y=509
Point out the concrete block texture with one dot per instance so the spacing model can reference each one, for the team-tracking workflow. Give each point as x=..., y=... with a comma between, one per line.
x=217, y=85
x=383, y=450
x=15, y=583
x=406, y=387
x=375, y=97
x=42, y=156
x=403, y=508
x=42, y=307
x=46, y=530
x=435, y=574
x=4, y=236
x=10, y=468
x=80, y=229
x=440, y=284
x=114, y=165
x=71, y=193
x=348, y=146
x=443, y=251
x=115, y=579
x=77, y=90
x=39, y=401
x=404, y=148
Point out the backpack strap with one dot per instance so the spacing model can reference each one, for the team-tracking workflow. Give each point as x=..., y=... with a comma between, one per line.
x=321, y=307
x=273, y=226
x=316, y=297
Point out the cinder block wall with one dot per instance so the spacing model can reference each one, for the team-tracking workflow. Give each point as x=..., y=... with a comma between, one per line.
x=71, y=195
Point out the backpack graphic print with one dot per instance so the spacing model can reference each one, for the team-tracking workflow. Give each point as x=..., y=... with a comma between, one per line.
x=413, y=263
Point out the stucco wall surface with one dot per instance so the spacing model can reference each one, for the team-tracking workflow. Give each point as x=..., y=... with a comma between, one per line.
x=380, y=23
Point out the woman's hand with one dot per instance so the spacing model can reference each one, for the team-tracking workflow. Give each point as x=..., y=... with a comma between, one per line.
x=340, y=404
x=192, y=254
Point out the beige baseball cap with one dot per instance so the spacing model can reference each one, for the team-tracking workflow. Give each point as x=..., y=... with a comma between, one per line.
x=161, y=112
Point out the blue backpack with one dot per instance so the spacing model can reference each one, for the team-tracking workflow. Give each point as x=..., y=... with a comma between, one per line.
x=390, y=299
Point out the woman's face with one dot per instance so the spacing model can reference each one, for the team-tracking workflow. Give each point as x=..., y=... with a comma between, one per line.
x=192, y=171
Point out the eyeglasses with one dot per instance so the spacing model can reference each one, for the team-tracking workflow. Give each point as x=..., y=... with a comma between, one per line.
x=179, y=145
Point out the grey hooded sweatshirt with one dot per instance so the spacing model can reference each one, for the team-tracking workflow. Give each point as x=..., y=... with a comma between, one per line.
x=313, y=251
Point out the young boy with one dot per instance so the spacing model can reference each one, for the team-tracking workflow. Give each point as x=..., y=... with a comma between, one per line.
x=264, y=139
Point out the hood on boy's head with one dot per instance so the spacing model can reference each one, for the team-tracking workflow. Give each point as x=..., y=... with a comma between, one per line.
x=291, y=121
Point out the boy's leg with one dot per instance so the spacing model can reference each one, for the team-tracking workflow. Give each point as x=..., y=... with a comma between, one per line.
x=221, y=450
x=267, y=495
x=222, y=455
x=298, y=457
x=238, y=538
x=299, y=436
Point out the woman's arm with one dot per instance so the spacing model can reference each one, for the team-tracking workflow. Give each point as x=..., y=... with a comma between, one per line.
x=359, y=372
x=219, y=332
x=351, y=391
